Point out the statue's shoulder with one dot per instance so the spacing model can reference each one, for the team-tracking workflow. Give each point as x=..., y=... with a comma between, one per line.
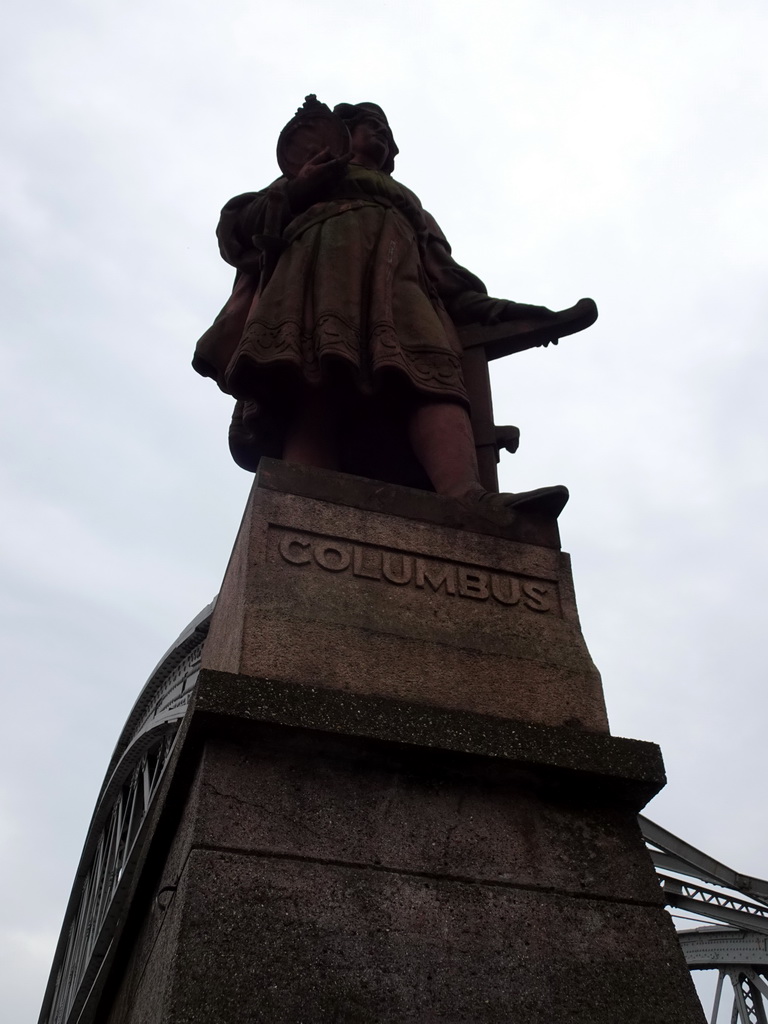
x=246, y=198
x=409, y=194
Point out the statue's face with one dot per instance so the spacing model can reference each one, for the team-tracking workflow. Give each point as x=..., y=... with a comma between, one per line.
x=370, y=143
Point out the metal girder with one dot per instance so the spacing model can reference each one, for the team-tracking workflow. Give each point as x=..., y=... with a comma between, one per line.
x=677, y=855
x=712, y=947
x=748, y=992
x=90, y=934
x=738, y=952
x=109, y=855
x=718, y=906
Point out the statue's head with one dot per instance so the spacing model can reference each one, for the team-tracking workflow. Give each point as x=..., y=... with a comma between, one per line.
x=355, y=113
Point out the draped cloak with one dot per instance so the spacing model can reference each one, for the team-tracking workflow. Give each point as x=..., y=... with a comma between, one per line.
x=359, y=289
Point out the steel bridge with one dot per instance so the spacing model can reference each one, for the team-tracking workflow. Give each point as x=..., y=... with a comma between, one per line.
x=729, y=910
x=731, y=914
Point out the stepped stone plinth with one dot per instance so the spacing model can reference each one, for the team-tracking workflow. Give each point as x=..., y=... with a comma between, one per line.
x=395, y=797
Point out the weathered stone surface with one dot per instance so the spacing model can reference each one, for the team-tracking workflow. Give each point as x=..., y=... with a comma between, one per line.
x=406, y=502
x=279, y=940
x=325, y=878
x=298, y=794
x=320, y=592
x=628, y=771
x=145, y=977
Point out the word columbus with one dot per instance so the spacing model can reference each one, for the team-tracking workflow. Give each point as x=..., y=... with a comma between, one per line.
x=403, y=570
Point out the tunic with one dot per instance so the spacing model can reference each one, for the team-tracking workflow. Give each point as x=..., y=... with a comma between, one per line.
x=360, y=287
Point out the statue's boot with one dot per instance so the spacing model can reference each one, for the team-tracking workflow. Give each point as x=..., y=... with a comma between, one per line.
x=518, y=326
x=544, y=501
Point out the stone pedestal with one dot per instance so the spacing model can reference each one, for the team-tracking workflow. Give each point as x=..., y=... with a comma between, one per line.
x=354, y=585
x=395, y=798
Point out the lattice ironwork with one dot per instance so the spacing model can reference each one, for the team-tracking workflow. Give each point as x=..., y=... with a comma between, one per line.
x=114, y=837
x=736, y=946
x=88, y=935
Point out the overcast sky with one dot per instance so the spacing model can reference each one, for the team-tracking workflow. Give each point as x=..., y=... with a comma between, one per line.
x=566, y=149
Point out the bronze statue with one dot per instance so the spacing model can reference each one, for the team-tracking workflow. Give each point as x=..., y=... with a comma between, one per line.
x=340, y=341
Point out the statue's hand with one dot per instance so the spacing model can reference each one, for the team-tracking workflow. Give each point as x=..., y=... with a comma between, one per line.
x=316, y=177
x=323, y=167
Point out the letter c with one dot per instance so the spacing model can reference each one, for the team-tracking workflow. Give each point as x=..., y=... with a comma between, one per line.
x=295, y=558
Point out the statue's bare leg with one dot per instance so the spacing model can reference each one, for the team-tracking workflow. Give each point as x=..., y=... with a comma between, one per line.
x=312, y=439
x=442, y=440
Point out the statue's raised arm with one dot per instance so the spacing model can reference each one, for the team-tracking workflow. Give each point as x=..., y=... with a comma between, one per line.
x=352, y=339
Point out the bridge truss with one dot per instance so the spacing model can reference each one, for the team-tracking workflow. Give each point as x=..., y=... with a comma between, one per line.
x=730, y=911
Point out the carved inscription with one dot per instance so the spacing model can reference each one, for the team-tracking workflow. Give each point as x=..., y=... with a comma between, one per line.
x=400, y=569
